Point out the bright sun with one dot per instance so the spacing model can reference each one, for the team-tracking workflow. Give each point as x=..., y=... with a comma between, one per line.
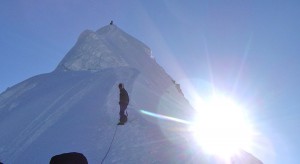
x=221, y=126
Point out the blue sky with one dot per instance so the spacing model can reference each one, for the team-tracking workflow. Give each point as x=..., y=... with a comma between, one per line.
x=248, y=49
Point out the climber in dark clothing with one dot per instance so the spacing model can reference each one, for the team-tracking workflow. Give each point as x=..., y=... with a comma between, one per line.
x=124, y=100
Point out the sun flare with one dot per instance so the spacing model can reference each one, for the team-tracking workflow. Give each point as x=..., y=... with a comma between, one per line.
x=221, y=126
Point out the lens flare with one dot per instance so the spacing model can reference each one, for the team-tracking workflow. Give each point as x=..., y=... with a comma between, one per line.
x=160, y=116
x=221, y=126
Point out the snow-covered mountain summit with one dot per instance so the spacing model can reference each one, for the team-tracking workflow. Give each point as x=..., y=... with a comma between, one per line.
x=111, y=47
x=108, y=47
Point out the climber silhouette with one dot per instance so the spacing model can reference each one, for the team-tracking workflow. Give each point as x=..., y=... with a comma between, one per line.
x=123, y=102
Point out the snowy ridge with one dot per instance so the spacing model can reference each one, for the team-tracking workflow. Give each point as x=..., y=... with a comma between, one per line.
x=110, y=47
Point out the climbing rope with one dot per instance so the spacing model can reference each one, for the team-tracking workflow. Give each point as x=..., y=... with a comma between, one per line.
x=110, y=145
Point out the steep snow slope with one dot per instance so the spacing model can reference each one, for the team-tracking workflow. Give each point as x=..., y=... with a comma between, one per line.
x=78, y=111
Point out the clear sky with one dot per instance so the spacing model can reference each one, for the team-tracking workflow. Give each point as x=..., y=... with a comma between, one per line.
x=248, y=49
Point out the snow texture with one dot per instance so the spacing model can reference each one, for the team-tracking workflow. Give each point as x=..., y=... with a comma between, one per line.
x=75, y=107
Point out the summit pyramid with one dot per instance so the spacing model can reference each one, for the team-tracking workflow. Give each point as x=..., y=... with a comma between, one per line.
x=108, y=47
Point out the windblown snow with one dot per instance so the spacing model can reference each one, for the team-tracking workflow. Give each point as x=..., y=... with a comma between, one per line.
x=75, y=108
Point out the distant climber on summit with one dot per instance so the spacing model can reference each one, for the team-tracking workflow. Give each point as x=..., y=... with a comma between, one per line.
x=111, y=22
x=123, y=102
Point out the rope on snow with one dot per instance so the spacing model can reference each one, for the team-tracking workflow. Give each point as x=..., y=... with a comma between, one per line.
x=110, y=145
